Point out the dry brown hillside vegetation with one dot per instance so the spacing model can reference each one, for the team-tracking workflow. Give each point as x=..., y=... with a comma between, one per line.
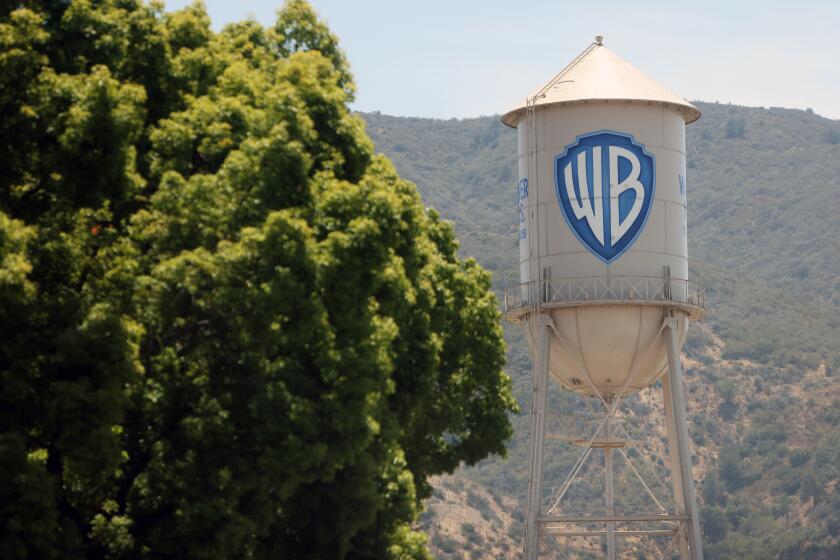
x=465, y=520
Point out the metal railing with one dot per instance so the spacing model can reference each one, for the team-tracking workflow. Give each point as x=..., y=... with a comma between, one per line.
x=595, y=289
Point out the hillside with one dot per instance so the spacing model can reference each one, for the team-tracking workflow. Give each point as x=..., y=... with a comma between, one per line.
x=763, y=237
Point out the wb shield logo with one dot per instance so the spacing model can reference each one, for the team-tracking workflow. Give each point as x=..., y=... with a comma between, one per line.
x=605, y=183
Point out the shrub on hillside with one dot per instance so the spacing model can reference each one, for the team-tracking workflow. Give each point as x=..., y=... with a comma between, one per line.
x=736, y=127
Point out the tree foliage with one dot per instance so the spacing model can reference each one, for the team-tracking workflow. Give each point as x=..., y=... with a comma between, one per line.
x=229, y=329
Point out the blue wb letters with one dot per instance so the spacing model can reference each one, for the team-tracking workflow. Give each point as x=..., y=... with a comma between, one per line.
x=605, y=182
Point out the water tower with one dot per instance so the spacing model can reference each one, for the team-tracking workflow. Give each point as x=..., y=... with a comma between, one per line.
x=604, y=293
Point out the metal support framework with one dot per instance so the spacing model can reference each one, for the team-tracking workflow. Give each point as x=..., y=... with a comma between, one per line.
x=554, y=519
x=643, y=533
x=681, y=472
x=681, y=523
x=609, y=491
x=537, y=444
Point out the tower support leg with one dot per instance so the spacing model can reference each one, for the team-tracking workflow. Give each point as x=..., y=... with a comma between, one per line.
x=610, y=495
x=674, y=465
x=677, y=426
x=537, y=442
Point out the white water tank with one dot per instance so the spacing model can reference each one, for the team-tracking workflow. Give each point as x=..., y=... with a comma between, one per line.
x=603, y=217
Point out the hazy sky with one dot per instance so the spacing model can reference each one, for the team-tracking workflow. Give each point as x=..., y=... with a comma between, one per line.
x=450, y=58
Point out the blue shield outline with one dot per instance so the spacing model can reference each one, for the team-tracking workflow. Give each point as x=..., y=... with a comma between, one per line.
x=606, y=252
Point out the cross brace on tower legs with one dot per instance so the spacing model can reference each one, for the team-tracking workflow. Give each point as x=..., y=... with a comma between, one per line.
x=684, y=524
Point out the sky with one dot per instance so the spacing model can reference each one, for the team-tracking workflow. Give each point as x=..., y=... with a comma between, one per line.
x=451, y=58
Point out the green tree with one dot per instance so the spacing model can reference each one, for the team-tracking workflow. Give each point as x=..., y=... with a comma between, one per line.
x=711, y=491
x=229, y=329
x=809, y=488
x=730, y=468
x=736, y=127
x=714, y=523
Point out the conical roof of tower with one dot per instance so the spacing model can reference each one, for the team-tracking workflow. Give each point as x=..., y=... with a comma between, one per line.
x=598, y=74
